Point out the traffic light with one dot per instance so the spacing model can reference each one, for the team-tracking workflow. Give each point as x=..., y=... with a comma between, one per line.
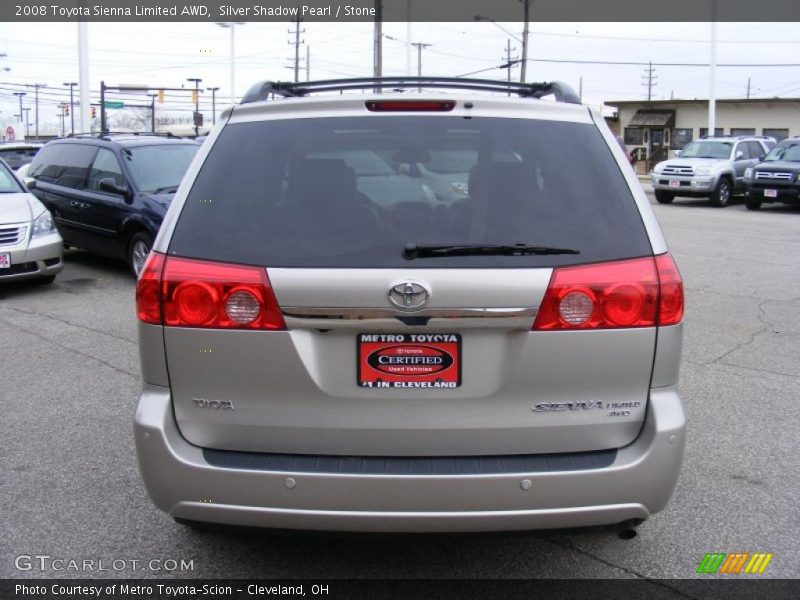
x=94, y=112
x=194, y=96
x=66, y=110
x=161, y=96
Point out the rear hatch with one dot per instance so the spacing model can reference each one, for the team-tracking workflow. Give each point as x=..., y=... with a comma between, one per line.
x=393, y=320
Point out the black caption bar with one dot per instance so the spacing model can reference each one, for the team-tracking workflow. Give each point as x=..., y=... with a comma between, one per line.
x=398, y=10
x=407, y=589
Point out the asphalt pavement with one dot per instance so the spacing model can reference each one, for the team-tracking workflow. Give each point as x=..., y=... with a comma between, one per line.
x=70, y=488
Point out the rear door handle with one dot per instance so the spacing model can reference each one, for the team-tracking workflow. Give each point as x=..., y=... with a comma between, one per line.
x=78, y=204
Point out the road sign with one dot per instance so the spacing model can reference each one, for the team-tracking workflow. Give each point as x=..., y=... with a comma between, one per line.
x=114, y=104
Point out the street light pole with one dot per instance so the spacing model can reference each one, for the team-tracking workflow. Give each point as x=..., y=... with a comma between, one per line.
x=71, y=107
x=196, y=102
x=153, y=112
x=36, y=87
x=213, y=91
x=27, y=121
x=526, y=4
x=20, y=95
x=232, y=27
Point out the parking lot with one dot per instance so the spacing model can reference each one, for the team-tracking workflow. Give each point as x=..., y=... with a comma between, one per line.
x=70, y=487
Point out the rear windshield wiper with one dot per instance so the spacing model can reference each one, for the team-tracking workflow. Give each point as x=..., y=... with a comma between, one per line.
x=412, y=251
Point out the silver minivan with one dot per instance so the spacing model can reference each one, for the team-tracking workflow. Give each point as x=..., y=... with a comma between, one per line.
x=328, y=342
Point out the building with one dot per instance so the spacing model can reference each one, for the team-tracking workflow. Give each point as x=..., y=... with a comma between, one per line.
x=656, y=130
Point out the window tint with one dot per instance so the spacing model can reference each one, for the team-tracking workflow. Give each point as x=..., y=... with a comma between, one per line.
x=64, y=164
x=755, y=150
x=331, y=192
x=17, y=157
x=106, y=166
x=157, y=168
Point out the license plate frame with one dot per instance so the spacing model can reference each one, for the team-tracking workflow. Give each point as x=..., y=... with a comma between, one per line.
x=674, y=183
x=5, y=260
x=769, y=193
x=433, y=361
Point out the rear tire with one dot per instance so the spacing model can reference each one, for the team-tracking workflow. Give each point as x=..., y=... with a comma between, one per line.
x=752, y=203
x=722, y=195
x=663, y=197
x=138, y=249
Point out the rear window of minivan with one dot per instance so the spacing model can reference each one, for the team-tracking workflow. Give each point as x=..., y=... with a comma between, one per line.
x=354, y=191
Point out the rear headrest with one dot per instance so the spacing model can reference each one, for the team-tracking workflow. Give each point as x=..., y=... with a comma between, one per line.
x=502, y=179
x=321, y=182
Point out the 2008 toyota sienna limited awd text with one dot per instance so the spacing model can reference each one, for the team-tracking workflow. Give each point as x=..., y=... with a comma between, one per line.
x=332, y=340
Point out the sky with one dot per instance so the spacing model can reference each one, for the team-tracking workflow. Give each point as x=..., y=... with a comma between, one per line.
x=166, y=54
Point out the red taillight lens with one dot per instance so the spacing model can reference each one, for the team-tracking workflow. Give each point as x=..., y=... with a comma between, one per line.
x=148, y=299
x=670, y=310
x=410, y=105
x=214, y=295
x=601, y=296
x=196, y=293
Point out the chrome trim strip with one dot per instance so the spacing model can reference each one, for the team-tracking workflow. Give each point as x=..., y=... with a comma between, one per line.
x=299, y=317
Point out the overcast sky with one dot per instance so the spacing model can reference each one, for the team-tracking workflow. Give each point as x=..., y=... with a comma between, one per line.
x=161, y=54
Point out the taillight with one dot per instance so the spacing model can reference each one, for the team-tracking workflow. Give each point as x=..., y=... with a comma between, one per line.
x=148, y=298
x=410, y=105
x=670, y=310
x=196, y=293
x=601, y=296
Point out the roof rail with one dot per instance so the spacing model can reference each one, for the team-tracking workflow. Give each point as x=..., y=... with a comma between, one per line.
x=108, y=134
x=264, y=89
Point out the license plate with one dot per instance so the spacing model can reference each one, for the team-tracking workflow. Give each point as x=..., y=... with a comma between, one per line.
x=674, y=184
x=5, y=260
x=771, y=193
x=409, y=361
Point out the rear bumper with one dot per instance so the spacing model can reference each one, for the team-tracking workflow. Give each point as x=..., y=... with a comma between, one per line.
x=182, y=483
x=40, y=258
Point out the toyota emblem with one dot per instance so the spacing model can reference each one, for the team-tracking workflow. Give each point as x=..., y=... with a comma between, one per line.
x=409, y=295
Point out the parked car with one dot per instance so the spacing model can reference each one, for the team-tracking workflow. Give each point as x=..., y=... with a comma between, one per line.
x=109, y=193
x=30, y=246
x=777, y=179
x=312, y=360
x=18, y=154
x=711, y=167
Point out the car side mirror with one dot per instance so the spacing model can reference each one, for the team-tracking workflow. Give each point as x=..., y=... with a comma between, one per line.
x=739, y=154
x=107, y=184
x=29, y=182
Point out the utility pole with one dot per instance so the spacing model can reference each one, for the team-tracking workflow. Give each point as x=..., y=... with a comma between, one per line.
x=712, y=93
x=526, y=14
x=408, y=38
x=232, y=27
x=36, y=87
x=649, y=79
x=297, y=41
x=63, y=118
x=153, y=111
x=377, y=54
x=580, y=89
x=196, y=82
x=20, y=95
x=83, y=74
x=419, y=46
x=71, y=107
x=27, y=121
x=509, y=60
x=748, y=88
x=308, y=63
x=213, y=91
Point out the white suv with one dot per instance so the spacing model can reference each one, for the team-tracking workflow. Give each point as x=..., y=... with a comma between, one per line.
x=327, y=342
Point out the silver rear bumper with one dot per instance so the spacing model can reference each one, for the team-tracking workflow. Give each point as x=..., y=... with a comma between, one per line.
x=637, y=484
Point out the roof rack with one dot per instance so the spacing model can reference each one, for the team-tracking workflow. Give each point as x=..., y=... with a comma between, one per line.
x=264, y=89
x=108, y=134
